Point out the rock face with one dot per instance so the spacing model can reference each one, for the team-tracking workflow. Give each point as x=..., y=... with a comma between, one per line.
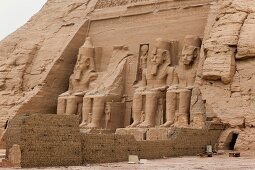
x=221, y=45
x=228, y=51
x=31, y=56
x=37, y=61
x=246, y=140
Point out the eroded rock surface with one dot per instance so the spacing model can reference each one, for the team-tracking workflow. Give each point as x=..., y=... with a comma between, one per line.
x=30, y=56
x=229, y=63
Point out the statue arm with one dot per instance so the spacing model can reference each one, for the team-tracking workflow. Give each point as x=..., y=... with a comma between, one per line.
x=192, y=81
x=70, y=88
x=142, y=83
x=173, y=79
x=93, y=76
x=89, y=84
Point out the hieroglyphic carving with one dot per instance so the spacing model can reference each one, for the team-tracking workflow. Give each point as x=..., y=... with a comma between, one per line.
x=113, y=3
x=137, y=1
x=110, y=3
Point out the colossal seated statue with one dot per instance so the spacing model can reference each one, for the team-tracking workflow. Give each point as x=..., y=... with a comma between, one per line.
x=155, y=80
x=110, y=87
x=178, y=95
x=80, y=81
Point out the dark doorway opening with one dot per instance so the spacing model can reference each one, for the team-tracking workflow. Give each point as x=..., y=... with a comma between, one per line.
x=233, y=141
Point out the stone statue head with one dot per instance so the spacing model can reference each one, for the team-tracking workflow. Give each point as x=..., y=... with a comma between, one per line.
x=190, y=49
x=85, y=60
x=160, y=55
x=160, y=52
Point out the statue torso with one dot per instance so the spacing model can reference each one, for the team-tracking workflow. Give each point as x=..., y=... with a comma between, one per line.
x=82, y=84
x=158, y=80
x=186, y=77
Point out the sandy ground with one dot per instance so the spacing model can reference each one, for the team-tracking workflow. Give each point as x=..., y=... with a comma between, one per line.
x=222, y=162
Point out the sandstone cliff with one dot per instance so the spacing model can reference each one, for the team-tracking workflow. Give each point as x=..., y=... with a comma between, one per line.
x=37, y=60
x=228, y=69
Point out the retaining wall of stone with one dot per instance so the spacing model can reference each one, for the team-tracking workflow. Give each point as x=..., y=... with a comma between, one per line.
x=46, y=140
x=55, y=140
x=98, y=148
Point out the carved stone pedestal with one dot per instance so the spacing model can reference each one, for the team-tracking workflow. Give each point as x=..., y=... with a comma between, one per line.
x=215, y=126
x=182, y=121
x=198, y=121
x=96, y=131
x=138, y=133
x=158, y=133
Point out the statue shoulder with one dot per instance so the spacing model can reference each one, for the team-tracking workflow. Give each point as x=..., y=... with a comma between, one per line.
x=71, y=77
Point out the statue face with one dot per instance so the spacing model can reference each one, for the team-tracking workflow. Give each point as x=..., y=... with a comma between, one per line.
x=158, y=57
x=188, y=54
x=83, y=62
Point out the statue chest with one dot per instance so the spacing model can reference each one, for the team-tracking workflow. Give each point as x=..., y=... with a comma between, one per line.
x=186, y=77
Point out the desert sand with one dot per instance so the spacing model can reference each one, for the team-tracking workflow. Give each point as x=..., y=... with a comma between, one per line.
x=221, y=162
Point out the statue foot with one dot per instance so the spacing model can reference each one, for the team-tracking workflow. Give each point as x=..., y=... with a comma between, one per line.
x=145, y=125
x=83, y=124
x=134, y=124
x=92, y=126
x=167, y=124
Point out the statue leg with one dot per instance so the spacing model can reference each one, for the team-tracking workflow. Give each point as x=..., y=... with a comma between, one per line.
x=97, y=111
x=150, y=109
x=86, y=109
x=171, y=103
x=61, y=108
x=198, y=110
x=72, y=104
x=184, y=108
x=198, y=120
x=137, y=109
